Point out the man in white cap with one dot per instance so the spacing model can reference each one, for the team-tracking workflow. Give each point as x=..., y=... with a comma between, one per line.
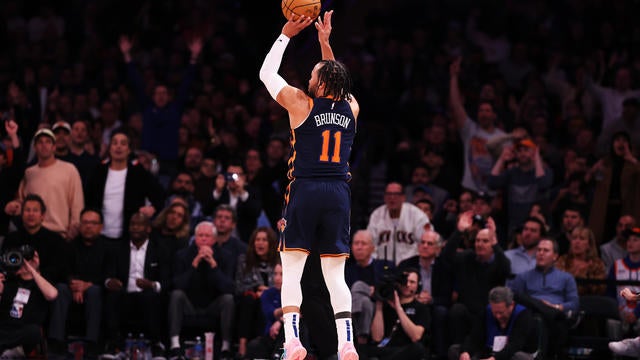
x=57, y=182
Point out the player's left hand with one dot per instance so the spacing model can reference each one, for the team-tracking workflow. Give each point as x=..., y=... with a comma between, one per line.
x=324, y=26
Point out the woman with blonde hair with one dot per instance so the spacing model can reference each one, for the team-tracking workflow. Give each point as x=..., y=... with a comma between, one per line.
x=583, y=262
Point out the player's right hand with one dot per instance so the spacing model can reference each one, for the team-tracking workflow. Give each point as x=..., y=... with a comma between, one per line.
x=295, y=25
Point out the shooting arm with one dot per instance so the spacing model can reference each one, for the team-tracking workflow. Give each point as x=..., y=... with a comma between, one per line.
x=269, y=70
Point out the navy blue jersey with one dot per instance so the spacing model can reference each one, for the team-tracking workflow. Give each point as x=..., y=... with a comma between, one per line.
x=321, y=145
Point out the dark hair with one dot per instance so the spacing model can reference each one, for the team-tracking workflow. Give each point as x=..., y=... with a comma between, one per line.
x=227, y=207
x=425, y=201
x=93, y=210
x=543, y=227
x=554, y=244
x=252, y=259
x=336, y=78
x=619, y=134
x=36, y=198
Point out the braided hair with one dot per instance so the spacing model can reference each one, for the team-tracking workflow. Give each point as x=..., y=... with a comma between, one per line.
x=336, y=78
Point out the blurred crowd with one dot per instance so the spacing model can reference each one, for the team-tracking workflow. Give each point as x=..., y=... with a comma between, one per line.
x=487, y=128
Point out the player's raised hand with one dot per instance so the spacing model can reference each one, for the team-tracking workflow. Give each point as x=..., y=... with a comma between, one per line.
x=323, y=25
x=295, y=25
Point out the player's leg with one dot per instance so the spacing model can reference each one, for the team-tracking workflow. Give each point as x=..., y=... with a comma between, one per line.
x=291, y=295
x=333, y=272
x=297, y=225
x=334, y=249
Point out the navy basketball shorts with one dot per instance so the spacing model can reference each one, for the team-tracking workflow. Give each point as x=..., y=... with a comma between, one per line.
x=317, y=215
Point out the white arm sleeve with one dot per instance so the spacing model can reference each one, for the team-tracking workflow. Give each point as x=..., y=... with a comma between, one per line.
x=269, y=70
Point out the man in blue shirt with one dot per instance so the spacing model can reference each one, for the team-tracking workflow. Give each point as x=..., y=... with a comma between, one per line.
x=550, y=291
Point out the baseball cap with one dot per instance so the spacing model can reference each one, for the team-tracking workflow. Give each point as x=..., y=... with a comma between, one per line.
x=633, y=231
x=526, y=142
x=44, y=132
x=61, y=125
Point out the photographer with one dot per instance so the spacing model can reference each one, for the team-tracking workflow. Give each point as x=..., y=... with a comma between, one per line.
x=399, y=322
x=24, y=297
x=232, y=189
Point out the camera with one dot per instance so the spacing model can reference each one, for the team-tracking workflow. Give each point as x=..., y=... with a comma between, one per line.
x=12, y=259
x=390, y=282
x=479, y=221
x=232, y=177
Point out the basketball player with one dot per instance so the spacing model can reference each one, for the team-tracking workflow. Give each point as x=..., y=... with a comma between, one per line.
x=317, y=201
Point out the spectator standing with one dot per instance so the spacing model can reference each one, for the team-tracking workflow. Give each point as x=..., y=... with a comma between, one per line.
x=78, y=155
x=523, y=183
x=120, y=188
x=57, y=182
x=477, y=160
x=616, y=192
x=160, y=115
x=396, y=226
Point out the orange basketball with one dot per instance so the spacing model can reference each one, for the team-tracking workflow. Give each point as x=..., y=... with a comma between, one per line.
x=310, y=8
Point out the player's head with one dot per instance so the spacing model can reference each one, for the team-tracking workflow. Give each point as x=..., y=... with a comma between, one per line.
x=330, y=78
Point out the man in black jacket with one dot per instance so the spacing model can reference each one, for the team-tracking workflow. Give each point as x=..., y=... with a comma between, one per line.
x=51, y=246
x=137, y=276
x=436, y=286
x=85, y=284
x=201, y=287
x=475, y=272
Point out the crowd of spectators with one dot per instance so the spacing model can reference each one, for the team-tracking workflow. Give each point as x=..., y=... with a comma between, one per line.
x=499, y=125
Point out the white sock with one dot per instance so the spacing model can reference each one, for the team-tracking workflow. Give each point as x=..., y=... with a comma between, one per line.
x=345, y=331
x=225, y=345
x=291, y=326
x=175, y=342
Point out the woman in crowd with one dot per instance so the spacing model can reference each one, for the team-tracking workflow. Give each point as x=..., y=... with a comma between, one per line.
x=254, y=275
x=171, y=227
x=582, y=261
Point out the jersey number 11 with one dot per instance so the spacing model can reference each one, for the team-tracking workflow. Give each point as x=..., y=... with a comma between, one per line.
x=326, y=137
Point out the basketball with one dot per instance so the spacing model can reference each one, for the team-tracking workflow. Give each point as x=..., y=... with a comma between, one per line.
x=310, y=8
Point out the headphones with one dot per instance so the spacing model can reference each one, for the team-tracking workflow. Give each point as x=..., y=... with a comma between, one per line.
x=407, y=271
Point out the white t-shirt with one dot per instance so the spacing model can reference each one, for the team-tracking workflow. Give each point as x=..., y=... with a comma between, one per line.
x=477, y=158
x=113, y=203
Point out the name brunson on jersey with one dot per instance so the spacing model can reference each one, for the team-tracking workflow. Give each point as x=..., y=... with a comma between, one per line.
x=332, y=119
